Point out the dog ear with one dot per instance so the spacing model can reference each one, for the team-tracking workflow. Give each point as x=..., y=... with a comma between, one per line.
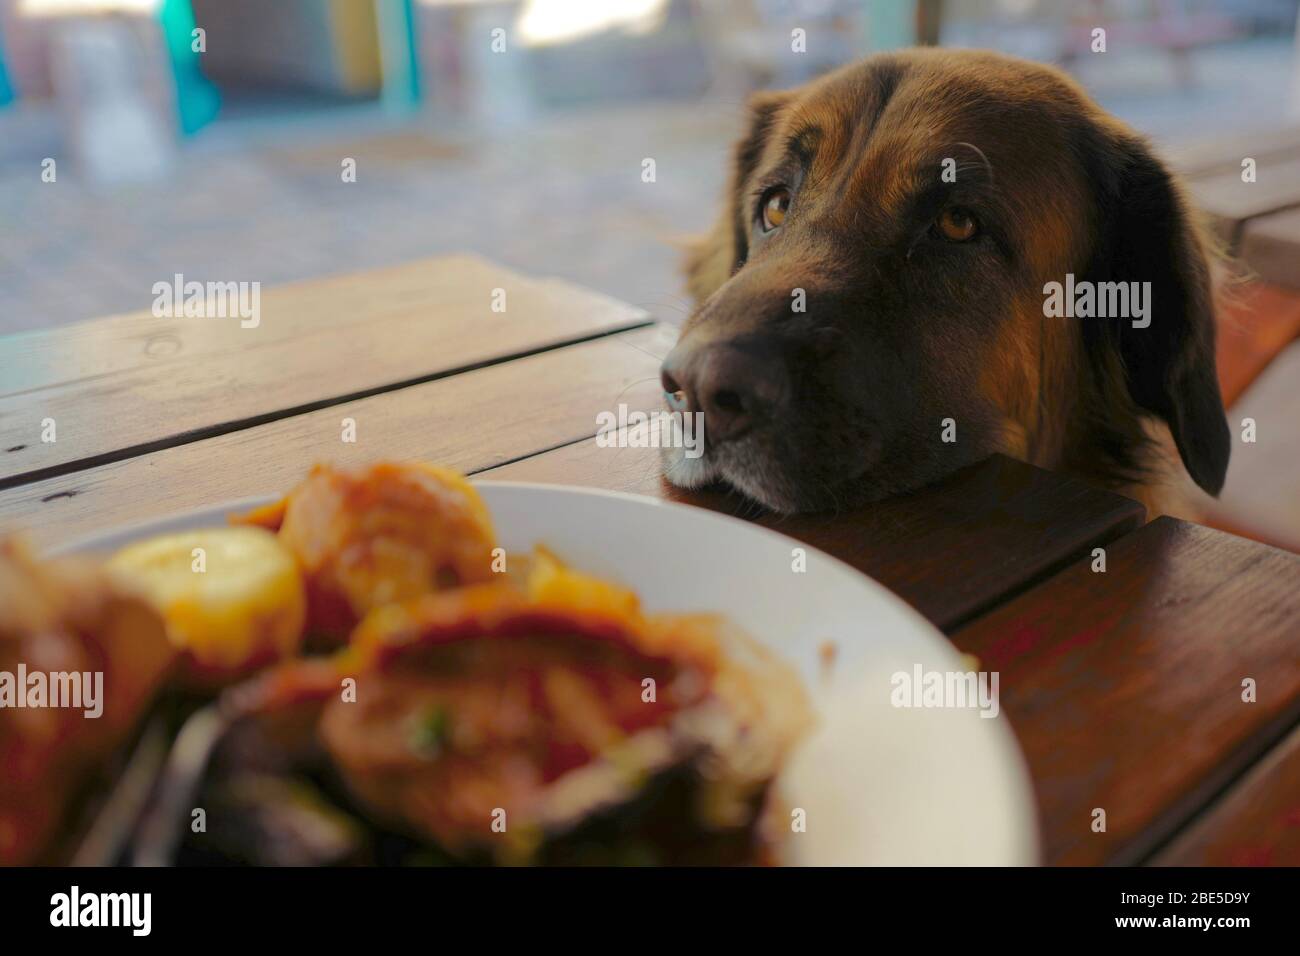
x=1147, y=234
x=713, y=259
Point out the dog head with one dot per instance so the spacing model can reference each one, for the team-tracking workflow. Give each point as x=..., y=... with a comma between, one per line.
x=870, y=307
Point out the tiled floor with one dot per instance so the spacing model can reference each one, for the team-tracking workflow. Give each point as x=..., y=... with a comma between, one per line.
x=565, y=199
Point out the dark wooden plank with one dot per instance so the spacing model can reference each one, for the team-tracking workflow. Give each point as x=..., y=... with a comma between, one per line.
x=1230, y=203
x=1255, y=823
x=470, y=421
x=1270, y=247
x=951, y=550
x=1125, y=687
x=133, y=384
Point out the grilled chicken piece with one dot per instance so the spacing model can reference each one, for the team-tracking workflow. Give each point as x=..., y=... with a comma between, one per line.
x=65, y=617
x=491, y=720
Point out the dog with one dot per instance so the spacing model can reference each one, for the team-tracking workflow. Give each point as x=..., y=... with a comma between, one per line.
x=878, y=304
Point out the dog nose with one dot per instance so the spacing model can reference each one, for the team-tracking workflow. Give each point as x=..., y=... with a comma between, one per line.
x=734, y=387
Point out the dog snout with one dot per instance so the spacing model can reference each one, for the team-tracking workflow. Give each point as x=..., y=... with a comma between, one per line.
x=736, y=386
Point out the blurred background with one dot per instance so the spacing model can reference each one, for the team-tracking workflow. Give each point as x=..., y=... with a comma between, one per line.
x=219, y=153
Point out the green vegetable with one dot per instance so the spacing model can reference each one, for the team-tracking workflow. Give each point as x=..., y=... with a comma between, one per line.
x=432, y=731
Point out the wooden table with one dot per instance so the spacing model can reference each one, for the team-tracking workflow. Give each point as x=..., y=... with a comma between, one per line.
x=1257, y=216
x=1124, y=687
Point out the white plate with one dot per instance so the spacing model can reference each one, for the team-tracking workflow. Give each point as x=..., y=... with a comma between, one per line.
x=878, y=784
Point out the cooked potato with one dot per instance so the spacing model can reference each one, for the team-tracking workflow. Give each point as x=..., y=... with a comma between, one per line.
x=549, y=582
x=233, y=598
x=376, y=535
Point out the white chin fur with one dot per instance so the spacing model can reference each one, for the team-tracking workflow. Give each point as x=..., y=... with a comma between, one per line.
x=687, y=472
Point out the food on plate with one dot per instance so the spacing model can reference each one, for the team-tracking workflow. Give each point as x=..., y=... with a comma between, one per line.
x=80, y=659
x=445, y=712
x=549, y=723
x=385, y=533
x=232, y=598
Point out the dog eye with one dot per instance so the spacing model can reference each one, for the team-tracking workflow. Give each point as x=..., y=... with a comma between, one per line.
x=775, y=203
x=957, y=224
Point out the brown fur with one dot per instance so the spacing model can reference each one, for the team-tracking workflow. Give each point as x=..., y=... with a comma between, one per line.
x=927, y=331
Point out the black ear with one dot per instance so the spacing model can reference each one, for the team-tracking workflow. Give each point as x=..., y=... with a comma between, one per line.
x=713, y=260
x=1147, y=234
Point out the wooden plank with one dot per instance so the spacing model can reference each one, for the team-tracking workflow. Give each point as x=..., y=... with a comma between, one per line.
x=116, y=343
x=1255, y=324
x=133, y=384
x=470, y=421
x=1125, y=687
x=951, y=550
x=1206, y=157
x=1255, y=823
x=1229, y=202
x=1270, y=247
x=1261, y=496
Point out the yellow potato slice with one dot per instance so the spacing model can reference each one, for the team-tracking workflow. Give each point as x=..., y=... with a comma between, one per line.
x=231, y=597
